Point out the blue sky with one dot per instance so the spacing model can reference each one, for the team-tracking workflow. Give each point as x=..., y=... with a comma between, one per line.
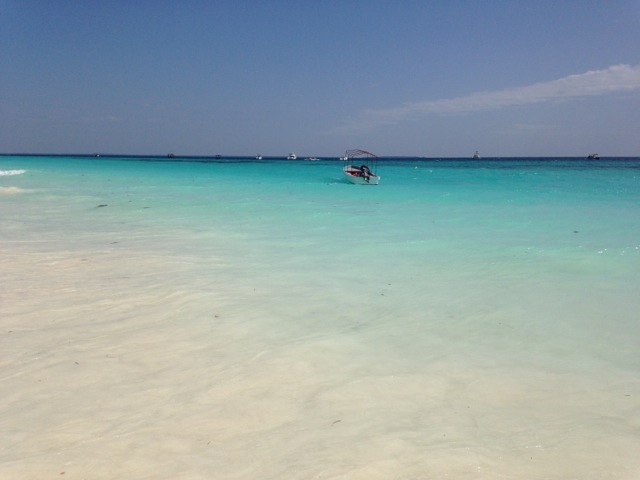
x=426, y=78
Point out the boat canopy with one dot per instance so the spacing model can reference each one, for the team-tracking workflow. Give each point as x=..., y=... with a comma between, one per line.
x=357, y=156
x=355, y=153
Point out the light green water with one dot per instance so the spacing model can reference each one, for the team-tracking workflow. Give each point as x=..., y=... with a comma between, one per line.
x=269, y=320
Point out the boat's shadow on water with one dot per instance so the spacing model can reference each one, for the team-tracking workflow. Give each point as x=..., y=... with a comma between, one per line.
x=342, y=181
x=335, y=181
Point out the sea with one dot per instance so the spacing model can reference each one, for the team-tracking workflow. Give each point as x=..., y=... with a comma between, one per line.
x=234, y=318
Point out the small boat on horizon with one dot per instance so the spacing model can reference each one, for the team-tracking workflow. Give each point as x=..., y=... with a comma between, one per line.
x=292, y=156
x=258, y=157
x=476, y=155
x=593, y=156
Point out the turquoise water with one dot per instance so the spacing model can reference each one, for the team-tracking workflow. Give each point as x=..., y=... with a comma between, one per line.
x=453, y=320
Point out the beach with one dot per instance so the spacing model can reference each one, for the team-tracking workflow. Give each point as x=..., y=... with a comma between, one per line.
x=246, y=320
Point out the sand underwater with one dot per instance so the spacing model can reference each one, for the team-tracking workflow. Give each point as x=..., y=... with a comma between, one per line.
x=243, y=320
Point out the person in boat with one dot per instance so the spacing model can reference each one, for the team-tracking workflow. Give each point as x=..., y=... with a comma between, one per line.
x=365, y=172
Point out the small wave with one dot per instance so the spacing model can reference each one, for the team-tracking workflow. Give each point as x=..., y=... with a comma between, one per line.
x=11, y=172
x=12, y=190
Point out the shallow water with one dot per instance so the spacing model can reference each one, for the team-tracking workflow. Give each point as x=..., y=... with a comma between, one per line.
x=241, y=319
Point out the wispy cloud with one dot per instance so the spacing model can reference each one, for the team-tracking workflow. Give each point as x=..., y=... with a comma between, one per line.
x=617, y=78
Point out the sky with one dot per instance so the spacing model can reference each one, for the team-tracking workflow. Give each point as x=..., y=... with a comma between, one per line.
x=398, y=78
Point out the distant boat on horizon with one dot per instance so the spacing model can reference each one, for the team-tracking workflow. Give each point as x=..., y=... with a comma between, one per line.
x=593, y=156
x=292, y=156
x=258, y=157
x=476, y=155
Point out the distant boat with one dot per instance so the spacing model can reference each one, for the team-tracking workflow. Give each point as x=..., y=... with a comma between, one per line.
x=171, y=155
x=476, y=155
x=292, y=156
x=593, y=156
x=361, y=169
x=313, y=159
x=218, y=156
x=258, y=157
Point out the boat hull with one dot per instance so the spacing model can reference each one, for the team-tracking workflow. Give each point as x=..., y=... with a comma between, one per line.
x=361, y=180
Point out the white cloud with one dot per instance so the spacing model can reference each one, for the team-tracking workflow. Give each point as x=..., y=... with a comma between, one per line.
x=617, y=78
